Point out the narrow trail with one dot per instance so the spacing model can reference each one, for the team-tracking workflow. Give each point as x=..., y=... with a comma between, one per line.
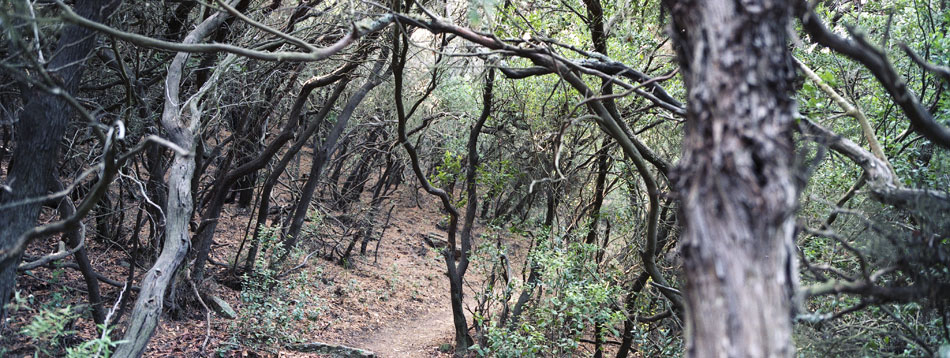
x=416, y=337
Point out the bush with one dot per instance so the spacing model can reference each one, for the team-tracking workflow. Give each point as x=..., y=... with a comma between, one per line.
x=50, y=326
x=576, y=298
x=271, y=304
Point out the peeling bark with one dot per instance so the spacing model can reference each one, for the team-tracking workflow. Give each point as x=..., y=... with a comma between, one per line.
x=735, y=177
x=148, y=305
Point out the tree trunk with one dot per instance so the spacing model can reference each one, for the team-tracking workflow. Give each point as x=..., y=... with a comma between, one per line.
x=735, y=176
x=593, y=230
x=39, y=132
x=73, y=238
x=180, y=130
x=272, y=178
x=321, y=156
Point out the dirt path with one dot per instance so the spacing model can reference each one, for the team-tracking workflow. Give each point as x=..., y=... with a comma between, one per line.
x=418, y=337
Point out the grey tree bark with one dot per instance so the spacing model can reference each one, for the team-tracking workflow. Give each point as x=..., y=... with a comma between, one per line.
x=735, y=177
x=180, y=127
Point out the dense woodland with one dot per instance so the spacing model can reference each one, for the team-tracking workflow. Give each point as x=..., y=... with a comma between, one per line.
x=623, y=178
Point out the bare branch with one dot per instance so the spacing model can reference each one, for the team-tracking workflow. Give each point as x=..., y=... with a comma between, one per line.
x=58, y=255
x=942, y=71
x=314, y=54
x=853, y=111
x=875, y=60
x=880, y=179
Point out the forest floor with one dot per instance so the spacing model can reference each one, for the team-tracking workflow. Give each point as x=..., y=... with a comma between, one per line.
x=418, y=336
x=397, y=307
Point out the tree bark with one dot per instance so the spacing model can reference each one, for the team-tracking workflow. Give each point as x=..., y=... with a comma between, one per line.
x=735, y=176
x=39, y=132
x=180, y=130
x=329, y=145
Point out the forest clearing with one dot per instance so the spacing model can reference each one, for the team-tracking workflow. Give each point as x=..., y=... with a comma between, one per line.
x=483, y=178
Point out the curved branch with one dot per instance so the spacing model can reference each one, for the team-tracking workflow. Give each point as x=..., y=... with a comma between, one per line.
x=609, y=67
x=314, y=54
x=109, y=169
x=880, y=179
x=942, y=71
x=875, y=60
x=542, y=58
x=851, y=110
x=866, y=288
x=58, y=255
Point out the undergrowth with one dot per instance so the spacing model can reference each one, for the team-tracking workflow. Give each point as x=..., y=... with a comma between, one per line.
x=277, y=303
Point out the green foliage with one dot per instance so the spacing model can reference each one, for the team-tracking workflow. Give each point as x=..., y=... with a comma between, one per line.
x=50, y=326
x=273, y=303
x=481, y=12
x=495, y=175
x=99, y=347
x=314, y=225
x=447, y=173
x=576, y=297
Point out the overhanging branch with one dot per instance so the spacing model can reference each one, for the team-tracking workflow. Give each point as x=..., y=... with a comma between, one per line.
x=875, y=60
x=312, y=54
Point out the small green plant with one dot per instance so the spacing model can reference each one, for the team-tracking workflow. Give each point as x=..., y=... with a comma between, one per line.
x=271, y=301
x=50, y=325
x=99, y=347
x=449, y=171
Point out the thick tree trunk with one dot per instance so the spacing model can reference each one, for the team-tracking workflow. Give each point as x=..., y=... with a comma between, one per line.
x=148, y=305
x=735, y=176
x=602, y=166
x=180, y=129
x=39, y=132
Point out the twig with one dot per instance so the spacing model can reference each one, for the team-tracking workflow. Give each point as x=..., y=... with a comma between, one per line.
x=207, y=316
x=105, y=323
x=913, y=335
x=380, y=239
x=59, y=255
x=357, y=30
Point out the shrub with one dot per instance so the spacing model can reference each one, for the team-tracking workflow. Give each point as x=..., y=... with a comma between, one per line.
x=271, y=301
